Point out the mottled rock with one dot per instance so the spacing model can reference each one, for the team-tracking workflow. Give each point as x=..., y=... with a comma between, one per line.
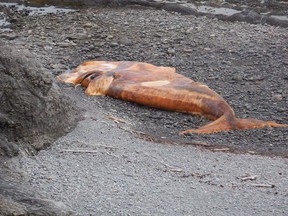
x=9, y=36
x=9, y=149
x=171, y=51
x=33, y=114
x=114, y=44
x=88, y=25
x=277, y=97
x=33, y=110
x=17, y=200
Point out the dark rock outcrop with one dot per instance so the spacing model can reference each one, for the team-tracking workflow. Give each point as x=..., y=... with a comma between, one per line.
x=33, y=113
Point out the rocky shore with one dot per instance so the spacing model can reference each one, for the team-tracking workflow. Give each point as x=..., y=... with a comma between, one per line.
x=256, y=12
x=238, y=60
x=245, y=63
x=33, y=115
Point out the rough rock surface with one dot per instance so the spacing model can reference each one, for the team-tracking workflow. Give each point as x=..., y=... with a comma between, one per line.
x=33, y=113
x=32, y=109
x=20, y=200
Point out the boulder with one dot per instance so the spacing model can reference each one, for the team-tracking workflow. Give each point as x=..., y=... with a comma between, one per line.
x=33, y=113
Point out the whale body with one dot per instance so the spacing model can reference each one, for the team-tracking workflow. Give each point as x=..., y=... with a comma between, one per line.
x=162, y=88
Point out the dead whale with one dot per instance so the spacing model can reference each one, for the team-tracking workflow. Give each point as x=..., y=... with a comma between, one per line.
x=162, y=88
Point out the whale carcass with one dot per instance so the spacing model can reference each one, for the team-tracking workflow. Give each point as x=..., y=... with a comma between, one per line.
x=162, y=88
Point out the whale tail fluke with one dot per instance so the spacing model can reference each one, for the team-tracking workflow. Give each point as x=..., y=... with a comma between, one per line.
x=225, y=123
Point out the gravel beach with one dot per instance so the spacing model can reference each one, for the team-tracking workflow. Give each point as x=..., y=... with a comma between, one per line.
x=126, y=159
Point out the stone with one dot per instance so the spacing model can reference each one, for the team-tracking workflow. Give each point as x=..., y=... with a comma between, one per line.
x=88, y=25
x=277, y=97
x=237, y=77
x=64, y=44
x=171, y=51
x=114, y=44
x=33, y=111
x=189, y=30
x=9, y=36
x=78, y=36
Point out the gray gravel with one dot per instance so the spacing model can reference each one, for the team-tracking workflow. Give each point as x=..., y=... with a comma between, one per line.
x=122, y=175
x=125, y=175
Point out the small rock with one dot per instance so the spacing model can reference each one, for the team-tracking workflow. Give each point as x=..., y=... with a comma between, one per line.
x=188, y=50
x=114, y=44
x=285, y=93
x=171, y=51
x=157, y=35
x=88, y=25
x=9, y=36
x=127, y=42
x=109, y=37
x=237, y=77
x=63, y=44
x=255, y=78
x=14, y=19
x=189, y=30
x=277, y=97
x=97, y=55
x=47, y=48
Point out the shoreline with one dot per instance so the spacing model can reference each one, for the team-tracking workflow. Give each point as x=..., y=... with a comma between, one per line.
x=262, y=12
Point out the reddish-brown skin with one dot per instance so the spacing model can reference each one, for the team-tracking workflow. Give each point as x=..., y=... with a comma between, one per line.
x=160, y=87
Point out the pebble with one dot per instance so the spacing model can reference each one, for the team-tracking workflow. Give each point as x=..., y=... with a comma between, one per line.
x=237, y=77
x=171, y=51
x=189, y=30
x=114, y=44
x=188, y=50
x=9, y=36
x=109, y=37
x=47, y=48
x=277, y=97
x=158, y=35
x=88, y=25
x=63, y=44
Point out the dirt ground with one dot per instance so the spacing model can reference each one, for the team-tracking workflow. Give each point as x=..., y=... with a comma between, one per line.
x=140, y=165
